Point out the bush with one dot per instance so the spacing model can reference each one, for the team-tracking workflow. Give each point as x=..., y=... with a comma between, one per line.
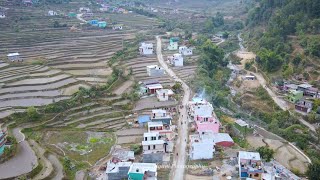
x=266, y=153
x=137, y=148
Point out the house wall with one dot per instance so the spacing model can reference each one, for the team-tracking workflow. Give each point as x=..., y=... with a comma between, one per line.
x=144, y=50
x=202, y=150
x=163, y=98
x=178, y=62
x=153, y=158
x=158, y=147
x=173, y=46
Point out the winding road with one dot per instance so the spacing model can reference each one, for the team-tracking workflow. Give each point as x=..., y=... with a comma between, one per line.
x=179, y=161
x=23, y=162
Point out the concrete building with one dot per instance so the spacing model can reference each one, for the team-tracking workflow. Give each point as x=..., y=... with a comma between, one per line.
x=146, y=48
x=184, y=50
x=155, y=71
x=154, y=147
x=250, y=165
x=2, y=15
x=123, y=155
x=164, y=130
x=160, y=115
x=201, y=146
x=164, y=94
x=152, y=88
x=200, y=108
x=275, y=171
x=117, y=170
x=176, y=60
x=142, y=171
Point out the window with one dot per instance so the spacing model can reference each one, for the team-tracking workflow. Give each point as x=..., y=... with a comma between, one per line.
x=149, y=147
x=146, y=138
x=154, y=146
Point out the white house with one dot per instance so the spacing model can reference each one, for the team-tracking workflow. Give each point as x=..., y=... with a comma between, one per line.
x=184, y=50
x=164, y=94
x=117, y=27
x=176, y=60
x=152, y=143
x=202, y=146
x=14, y=57
x=160, y=115
x=52, y=13
x=146, y=48
x=155, y=70
x=202, y=110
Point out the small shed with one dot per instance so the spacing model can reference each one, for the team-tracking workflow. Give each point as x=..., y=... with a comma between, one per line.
x=14, y=57
x=223, y=139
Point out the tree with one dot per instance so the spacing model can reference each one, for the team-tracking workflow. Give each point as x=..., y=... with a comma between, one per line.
x=269, y=60
x=318, y=134
x=266, y=153
x=32, y=114
x=313, y=171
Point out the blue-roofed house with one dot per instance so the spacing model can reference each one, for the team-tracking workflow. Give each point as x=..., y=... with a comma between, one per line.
x=143, y=120
x=102, y=24
x=93, y=22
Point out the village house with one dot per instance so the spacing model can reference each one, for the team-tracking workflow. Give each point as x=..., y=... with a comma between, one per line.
x=14, y=57
x=122, y=155
x=201, y=146
x=117, y=170
x=117, y=27
x=249, y=77
x=153, y=147
x=164, y=130
x=150, y=87
x=164, y=94
x=3, y=140
x=102, y=24
x=304, y=106
x=52, y=13
x=312, y=92
x=72, y=14
x=86, y=15
x=2, y=15
x=173, y=43
x=303, y=87
x=290, y=87
x=250, y=165
x=205, y=124
x=176, y=60
x=142, y=171
x=222, y=139
x=84, y=10
x=160, y=115
x=294, y=96
x=184, y=50
x=155, y=71
x=200, y=108
x=27, y=2
x=146, y=48
x=93, y=22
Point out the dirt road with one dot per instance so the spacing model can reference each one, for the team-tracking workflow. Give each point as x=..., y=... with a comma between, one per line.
x=177, y=170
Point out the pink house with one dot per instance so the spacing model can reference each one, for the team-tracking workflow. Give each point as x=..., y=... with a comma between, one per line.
x=204, y=124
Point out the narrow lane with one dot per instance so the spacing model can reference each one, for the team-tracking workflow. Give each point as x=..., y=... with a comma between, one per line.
x=179, y=160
